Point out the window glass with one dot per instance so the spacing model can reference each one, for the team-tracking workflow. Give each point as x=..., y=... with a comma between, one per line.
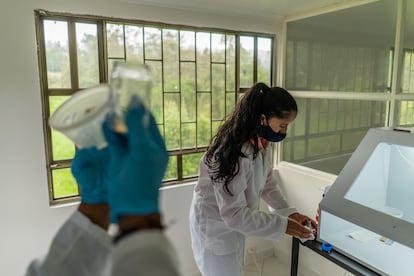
x=331, y=52
x=190, y=164
x=218, y=91
x=407, y=79
x=203, y=61
x=157, y=101
x=230, y=63
x=152, y=40
x=64, y=184
x=405, y=113
x=203, y=119
x=188, y=132
x=62, y=147
x=134, y=43
x=172, y=121
x=230, y=103
x=326, y=131
x=340, y=75
x=87, y=51
x=171, y=172
x=264, y=59
x=171, y=63
x=188, y=88
x=115, y=40
x=218, y=44
x=187, y=45
x=57, y=53
x=246, y=61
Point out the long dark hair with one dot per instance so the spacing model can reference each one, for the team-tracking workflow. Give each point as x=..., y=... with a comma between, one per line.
x=222, y=156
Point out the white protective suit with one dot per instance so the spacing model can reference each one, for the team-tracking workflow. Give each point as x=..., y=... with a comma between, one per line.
x=83, y=249
x=219, y=222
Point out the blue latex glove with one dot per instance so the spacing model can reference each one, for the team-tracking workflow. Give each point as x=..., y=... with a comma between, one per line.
x=138, y=163
x=89, y=167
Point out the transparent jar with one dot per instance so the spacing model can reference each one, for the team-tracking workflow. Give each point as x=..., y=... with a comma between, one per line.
x=129, y=79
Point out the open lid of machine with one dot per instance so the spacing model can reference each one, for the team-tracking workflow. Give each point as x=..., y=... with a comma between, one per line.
x=375, y=189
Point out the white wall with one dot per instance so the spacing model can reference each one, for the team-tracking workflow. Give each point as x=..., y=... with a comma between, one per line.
x=28, y=223
x=175, y=205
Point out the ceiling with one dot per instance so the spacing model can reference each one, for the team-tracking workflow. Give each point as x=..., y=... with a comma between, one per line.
x=267, y=9
x=375, y=17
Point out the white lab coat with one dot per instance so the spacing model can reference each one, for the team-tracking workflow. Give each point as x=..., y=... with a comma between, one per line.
x=145, y=253
x=83, y=249
x=220, y=222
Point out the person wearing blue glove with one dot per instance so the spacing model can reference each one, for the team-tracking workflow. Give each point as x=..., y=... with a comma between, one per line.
x=82, y=246
x=136, y=168
x=124, y=178
x=138, y=163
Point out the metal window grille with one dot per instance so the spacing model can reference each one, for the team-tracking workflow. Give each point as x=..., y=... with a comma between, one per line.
x=196, y=81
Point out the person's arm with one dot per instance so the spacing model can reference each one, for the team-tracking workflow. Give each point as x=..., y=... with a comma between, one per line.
x=80, y=247
x=271, y=193
x=237, y=215
x=273, y=196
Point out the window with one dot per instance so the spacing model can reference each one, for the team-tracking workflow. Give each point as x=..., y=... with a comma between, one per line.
x=342, y=77
x=198, y=75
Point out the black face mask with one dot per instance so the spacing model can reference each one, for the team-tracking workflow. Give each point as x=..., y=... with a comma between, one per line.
x=267, y=133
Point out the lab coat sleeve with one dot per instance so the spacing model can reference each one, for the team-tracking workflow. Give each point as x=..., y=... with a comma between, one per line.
x=273, y=196
x=145, y=252
x=79, y=248
x=240, y=217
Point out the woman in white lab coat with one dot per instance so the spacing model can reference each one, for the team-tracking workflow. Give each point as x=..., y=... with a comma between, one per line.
x=234, y=174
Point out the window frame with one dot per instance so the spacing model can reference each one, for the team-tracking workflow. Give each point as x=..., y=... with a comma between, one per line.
x=101, y=21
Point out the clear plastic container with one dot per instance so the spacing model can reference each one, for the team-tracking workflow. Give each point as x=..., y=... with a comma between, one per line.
x=80, y=117
x=129, y=79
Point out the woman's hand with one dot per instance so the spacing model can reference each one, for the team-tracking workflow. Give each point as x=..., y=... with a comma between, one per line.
x=297, y=230
x=304, y=221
